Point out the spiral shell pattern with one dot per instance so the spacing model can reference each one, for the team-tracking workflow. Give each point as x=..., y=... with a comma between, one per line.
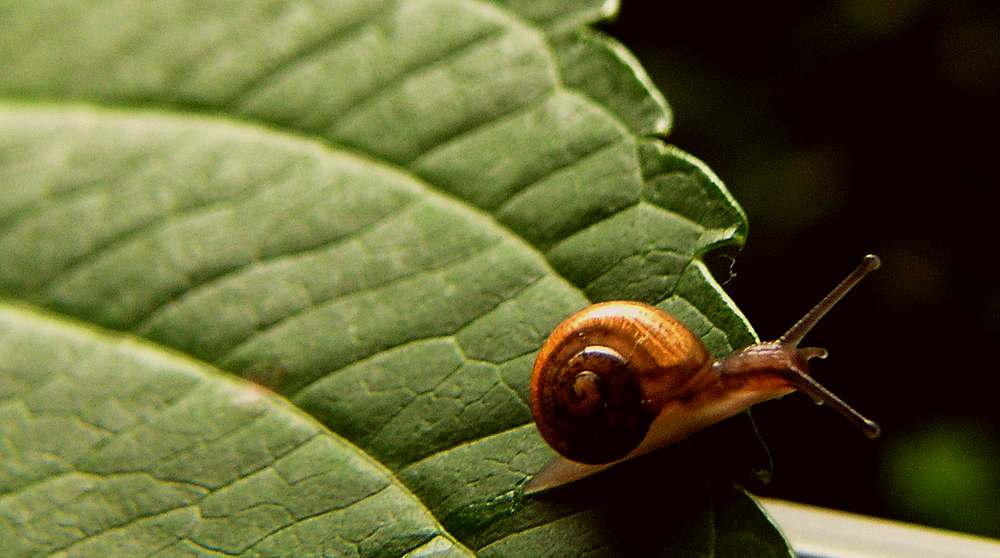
x=603, y=375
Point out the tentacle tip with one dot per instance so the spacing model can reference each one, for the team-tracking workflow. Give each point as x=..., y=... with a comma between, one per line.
x=871, y=262
x=813, y=352
x=872, y=429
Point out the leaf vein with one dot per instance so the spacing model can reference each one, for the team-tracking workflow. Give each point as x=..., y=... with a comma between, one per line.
x=466, y=131
x=373, y=95
x=209, y=281
x=132, y=234
x=368, y=290
x=411, y=341
x=52, y=198
x=287, y=65
x=521, y=190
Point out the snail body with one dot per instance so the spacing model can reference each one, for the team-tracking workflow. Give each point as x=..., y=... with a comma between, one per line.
x=622, y=378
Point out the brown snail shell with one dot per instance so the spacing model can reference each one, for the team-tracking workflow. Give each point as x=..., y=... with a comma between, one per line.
x=602, y=375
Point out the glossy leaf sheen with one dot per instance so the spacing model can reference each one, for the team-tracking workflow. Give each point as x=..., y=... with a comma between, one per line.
x=373, y=213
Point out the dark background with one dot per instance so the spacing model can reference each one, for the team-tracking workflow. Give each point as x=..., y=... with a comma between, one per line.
x=848, y=127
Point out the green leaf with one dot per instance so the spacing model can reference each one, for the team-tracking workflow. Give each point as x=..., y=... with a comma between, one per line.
x=378, y=210
x=122, y=448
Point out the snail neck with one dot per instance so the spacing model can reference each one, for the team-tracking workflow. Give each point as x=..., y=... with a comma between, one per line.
x=775, y=368
x=731, y=385
x=770, y=358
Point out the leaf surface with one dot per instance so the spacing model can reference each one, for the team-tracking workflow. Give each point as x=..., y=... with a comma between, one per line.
x=378, y=210
x=125, y=449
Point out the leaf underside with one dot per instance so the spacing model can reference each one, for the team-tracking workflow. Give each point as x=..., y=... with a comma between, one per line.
x=276, y=273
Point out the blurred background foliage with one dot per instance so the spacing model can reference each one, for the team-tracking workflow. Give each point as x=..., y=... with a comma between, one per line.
x=846, y=127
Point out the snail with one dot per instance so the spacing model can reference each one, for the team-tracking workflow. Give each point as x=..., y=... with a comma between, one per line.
x=619, y=379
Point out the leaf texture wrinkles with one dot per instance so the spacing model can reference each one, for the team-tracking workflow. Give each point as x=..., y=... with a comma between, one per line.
x=377, y=210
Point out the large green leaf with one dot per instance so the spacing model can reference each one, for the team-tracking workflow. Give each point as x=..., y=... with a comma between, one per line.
x=377, y=210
